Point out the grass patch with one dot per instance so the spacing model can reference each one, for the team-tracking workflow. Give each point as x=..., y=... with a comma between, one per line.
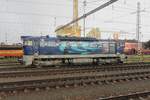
x=138, y=58
x=8, y=59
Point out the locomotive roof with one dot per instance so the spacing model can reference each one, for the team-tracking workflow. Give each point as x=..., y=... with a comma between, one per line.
x=36, y=37
x=76, y=39
x=65, y=38
x=58, y=38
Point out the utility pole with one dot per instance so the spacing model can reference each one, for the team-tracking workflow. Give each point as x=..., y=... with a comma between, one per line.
x=54, y=21
x=75, y=12
x=41, y=34
x=138, y=26
x=6, y=38
x=125, y=1
x=84, y=5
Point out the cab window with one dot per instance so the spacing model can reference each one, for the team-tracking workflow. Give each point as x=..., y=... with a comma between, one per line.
x=28, y=43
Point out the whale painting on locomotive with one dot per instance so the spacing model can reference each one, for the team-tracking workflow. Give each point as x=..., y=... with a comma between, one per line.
x=79, y=47
x=56, y=46
x=62, y=46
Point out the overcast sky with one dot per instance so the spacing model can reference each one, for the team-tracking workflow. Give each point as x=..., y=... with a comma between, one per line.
x=41, y=17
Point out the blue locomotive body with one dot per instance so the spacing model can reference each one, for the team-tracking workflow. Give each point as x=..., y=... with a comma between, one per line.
x=55, y=49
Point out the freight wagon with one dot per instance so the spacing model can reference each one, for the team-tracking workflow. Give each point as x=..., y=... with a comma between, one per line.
x=69, y=50
x=10, y=51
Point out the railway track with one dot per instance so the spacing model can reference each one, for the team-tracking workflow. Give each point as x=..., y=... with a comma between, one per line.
x=5, y=62
x=15, y=63
x=72, y=80
x=59, y=71
x=10, y=65
x=80, y=66
x=133, y=96
x=36, y=80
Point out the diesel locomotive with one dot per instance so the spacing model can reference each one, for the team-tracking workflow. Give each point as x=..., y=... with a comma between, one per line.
x=46, y=50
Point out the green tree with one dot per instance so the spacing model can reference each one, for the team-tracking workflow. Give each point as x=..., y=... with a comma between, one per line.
x=147, y=45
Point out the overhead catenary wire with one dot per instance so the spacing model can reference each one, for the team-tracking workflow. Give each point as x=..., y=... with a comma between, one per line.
x=87, y=14
x=94, y=1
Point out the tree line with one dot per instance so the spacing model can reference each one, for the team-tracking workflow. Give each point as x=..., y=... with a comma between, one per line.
x=147, y=45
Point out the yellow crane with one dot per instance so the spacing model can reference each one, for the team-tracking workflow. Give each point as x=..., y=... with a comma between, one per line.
x=94, y=33
x=116, y=36
x=75, y=12
x=74, y=30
